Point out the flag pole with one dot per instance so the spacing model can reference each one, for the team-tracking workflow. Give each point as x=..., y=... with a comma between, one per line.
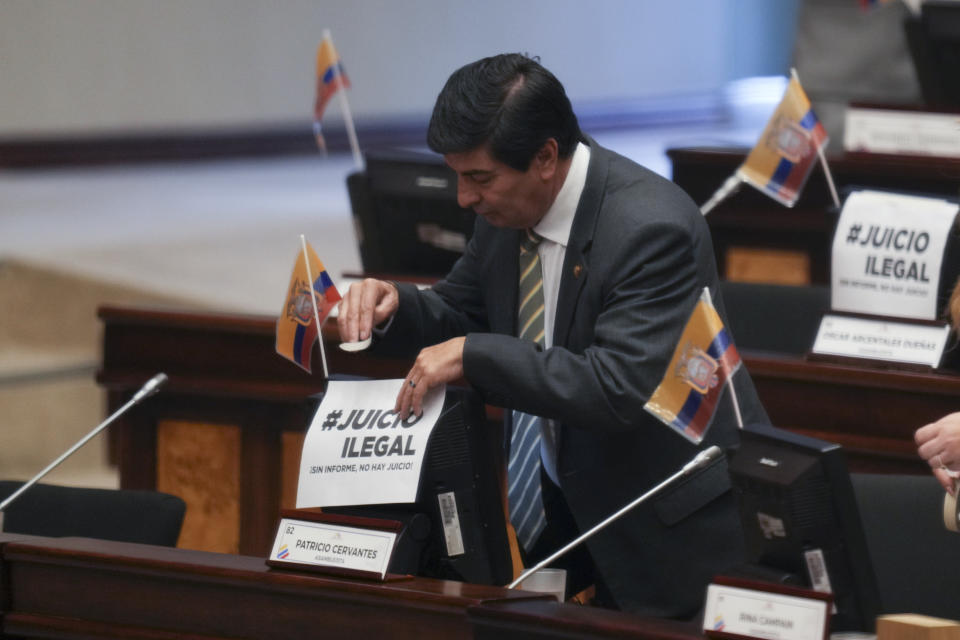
x=318, y=136
x=347, y=115
x=727, y=189
x=826, y=172
x=733, y=390
x=736, y=403
x=821, y=154
x=313, y=300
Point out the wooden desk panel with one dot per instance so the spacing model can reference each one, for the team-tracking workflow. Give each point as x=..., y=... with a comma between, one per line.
x=871, y=412
x=541, y=620
x=82, y=588
x=224, y=373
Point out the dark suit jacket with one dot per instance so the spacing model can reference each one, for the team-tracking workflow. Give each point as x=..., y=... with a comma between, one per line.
x=638, y=256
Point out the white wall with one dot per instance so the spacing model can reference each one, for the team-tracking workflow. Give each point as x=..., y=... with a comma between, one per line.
x=94, y=66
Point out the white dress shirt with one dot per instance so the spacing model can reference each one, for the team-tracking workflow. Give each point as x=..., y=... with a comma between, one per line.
x=555, y=227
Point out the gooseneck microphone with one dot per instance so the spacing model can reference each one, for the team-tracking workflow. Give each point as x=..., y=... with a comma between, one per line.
x=148, y=389
x=701, y=460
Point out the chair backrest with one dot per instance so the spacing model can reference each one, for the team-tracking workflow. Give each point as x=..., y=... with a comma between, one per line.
x=915, y=558
x=775, y=318
x=148, y=517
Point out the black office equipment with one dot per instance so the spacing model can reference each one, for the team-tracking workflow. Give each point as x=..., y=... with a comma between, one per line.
x=455, y=529
x=934, y=41
x=406, y=214
x=801, y=522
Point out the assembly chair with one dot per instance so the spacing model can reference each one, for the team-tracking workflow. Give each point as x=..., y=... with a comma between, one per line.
x=124, y=515
x=915, y=558
x=774, y=318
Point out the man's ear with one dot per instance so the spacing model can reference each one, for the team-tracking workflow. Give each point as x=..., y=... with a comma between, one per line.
x=546, y=159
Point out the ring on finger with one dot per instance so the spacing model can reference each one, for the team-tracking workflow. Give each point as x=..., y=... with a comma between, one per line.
x=413, y=384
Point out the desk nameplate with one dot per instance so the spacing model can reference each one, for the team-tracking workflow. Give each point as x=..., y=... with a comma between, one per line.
x=746, y=609
x=888, y=340
x=334, y=544
x=900, y=131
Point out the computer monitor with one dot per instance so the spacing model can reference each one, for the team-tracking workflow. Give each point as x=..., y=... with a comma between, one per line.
x=800, y=520
x=406, y=214
x=456, y=529
x=934, y=41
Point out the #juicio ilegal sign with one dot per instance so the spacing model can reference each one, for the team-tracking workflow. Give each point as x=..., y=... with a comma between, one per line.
x=358, y=450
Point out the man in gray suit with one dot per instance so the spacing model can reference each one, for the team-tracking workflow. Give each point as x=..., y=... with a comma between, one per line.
x=624, y=256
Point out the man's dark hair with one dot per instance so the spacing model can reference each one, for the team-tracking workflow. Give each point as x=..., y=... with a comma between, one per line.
x=510, y=103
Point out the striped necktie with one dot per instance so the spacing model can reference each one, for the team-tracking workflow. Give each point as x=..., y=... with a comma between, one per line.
x=523, y=468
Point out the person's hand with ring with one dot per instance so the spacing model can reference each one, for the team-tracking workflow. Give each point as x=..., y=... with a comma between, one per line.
x=436, y=365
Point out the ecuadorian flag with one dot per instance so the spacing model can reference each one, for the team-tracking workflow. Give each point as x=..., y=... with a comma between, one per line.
x=704, y=359
x=297, y=325
x=780, y=162
x=330, y=76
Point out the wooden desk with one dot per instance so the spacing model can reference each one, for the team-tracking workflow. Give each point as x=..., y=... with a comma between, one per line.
x=541, y=620
x=225, y=433
x=751, y=219
x=82, y=588
x=872, y=413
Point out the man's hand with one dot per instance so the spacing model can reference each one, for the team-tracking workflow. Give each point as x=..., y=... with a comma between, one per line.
x=436, y=365
x=365, y=305
x=939, y=444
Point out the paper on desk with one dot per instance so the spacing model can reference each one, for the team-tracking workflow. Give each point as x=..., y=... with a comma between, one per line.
x=887, y=254
x=359, y=451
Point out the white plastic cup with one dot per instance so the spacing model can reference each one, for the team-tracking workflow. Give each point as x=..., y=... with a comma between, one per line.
x=552, y=581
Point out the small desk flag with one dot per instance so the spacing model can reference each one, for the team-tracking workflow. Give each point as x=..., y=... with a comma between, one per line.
x=704, y=359
x=867, y=5
x=298, y=324
x=331, y=77
x=780, y=162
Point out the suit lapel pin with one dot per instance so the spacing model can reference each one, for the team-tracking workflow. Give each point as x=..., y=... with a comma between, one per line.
x=577, y=270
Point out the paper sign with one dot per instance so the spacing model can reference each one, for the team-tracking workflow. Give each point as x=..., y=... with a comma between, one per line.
x=762, y=614
x=881, y=340
x=359, y=451
x=887, y=253
x=335, y=546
